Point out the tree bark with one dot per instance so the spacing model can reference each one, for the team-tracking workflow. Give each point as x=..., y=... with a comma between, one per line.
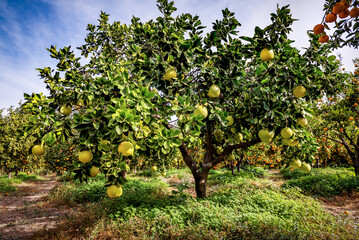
x=201, y=184
x=232, y=168
x=356, y=162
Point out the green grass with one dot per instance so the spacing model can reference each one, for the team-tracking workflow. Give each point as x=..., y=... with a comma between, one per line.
x=296, y=173
x=7, y=184
x=236, y=208
x=326, y=185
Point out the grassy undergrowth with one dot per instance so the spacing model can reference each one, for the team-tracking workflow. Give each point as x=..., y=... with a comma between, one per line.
x=245, y=206
x=325, y=182
x=7, y=184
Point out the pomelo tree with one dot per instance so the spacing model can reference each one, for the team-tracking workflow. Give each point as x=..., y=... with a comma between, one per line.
x=147, y=83
x=14, y=146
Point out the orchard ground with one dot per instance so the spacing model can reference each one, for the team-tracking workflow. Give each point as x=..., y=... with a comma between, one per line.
x=253, y=204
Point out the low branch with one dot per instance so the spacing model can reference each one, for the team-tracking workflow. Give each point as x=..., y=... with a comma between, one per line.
x=347, y=147
x=188, y=160
x=230, y=148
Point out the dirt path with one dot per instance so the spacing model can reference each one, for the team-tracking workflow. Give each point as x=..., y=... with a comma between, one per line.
x=346, y=204
x=25, y=211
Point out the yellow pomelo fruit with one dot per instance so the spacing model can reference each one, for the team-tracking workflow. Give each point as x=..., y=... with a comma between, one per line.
x=231, y=157
x=286, y=141
x=38, y=150
x=65, y=110
x=201, y=110
x=239, y=137
x=302, y=122
x=170, y=73
x=214, y=91
x=293, y=143
x=94, y=171
x=305, y=167
x=299, y=91
x=126, y=148
x=114, y=191
x=85, y=156
x=286, y=132
x=230, y=120
x=265, y=135
x=267, y=55
x=154, y=168
x=296, y=163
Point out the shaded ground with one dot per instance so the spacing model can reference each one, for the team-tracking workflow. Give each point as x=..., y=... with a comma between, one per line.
x=26, y=211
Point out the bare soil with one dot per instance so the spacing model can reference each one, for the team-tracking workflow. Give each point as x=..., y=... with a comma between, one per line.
x=347, y=204
x=26, y=211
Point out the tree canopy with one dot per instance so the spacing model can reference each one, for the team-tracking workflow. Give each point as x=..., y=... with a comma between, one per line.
x=147, y=83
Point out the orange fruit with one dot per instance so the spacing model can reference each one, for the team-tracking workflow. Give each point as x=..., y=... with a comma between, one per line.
x=330, y=18
x=318, y=29
x=346, y=3
x=344, y=13
x=324, y=39
x=338, y=8
x=354, y=12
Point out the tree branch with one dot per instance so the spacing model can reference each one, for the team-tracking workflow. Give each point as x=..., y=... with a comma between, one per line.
x=347, y=147
x=230, y=148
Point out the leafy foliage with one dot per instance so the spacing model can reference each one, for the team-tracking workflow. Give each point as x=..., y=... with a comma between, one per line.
x=14, y=145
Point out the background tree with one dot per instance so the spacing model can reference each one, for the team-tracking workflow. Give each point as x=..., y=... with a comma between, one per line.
x=148, y=84
x=339, y=119
x=14, y=146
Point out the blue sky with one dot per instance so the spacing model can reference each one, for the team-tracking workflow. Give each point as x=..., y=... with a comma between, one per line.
x=28, y=27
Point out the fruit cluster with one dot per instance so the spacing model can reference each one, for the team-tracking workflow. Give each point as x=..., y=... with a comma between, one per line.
x=341, y=10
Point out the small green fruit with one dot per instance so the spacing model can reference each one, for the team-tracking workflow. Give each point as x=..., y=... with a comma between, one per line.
x=214, y=91
x=201, y=110
x=286, y=132
x=85, y=156
x=299, y=91
x=266, y=55
x=305, y=167
x=38, y=150
x=302, y=122
x=65, y=110
x=170, y=73
x=296, y=163
x=114, y=191
x=265, y=135
x=94, y=171
x=230, y=120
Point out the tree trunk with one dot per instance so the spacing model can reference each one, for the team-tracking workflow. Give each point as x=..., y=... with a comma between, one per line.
x=201, y=184
x=9, y=175
x=356, y=162
x=232, y=168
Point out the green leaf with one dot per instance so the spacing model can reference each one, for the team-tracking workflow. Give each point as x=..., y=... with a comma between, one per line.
x=175, y=142
x=265, y=81
x=49, y=138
